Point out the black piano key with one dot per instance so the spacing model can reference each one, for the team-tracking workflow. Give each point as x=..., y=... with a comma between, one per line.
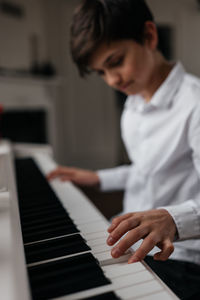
x=44, y=220
x=67, y=266
x=31, y=211
x=55, y=248
x=104, y=296
x=66, y=276
x=48, y=233
x=65, y=286
x=36, y=205
x=43, y=188
x=29, y=176
x=47, y=225
x=67, y=263
x=42, y=216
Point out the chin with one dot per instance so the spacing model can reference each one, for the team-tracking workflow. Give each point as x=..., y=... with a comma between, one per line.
x=128, y=93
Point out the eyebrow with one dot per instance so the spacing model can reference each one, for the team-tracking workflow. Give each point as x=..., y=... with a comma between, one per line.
x=109, y=58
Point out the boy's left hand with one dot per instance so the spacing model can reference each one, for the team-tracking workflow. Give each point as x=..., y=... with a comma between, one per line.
x=156, y=228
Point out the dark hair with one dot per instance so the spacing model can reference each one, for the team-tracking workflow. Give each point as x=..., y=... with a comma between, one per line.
x=95, y=21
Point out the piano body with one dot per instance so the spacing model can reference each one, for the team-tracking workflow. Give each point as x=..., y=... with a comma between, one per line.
x=52, y=239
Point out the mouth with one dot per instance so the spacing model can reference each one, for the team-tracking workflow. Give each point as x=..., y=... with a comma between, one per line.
x=125, y=86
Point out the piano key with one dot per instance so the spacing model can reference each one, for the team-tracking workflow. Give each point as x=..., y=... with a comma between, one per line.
x=55, y=248
x=104, y=296
x=143, y=284
x=93, y=226
x=48, y=224
x=134, y=279
x=49, y=233
x=27, y=216
x=97, y=241
x=42, y=215
x=44, y=220
x=95, y=236
x=123, y=269
x=36, y=207
x=158, y=296
x=101, y=248
x=66, y=276
x=138, y=290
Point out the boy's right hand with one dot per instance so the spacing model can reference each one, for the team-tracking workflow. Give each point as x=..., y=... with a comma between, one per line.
x=77, y=176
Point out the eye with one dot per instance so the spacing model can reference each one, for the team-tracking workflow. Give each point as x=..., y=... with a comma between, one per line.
x=116, y=62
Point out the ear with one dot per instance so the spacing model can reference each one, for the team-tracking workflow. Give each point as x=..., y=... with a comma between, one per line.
x=150, y=35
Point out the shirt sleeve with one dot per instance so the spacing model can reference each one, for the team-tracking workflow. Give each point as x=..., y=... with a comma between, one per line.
x=187, y=215
x=114, y=178
x=187, y=219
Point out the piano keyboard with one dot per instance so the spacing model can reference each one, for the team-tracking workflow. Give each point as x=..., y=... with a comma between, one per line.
x=64, y=243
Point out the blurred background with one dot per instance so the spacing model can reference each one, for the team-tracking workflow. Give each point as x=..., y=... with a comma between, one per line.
x=42, y=98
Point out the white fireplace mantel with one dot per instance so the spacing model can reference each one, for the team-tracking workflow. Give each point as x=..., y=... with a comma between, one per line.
x=18, y=92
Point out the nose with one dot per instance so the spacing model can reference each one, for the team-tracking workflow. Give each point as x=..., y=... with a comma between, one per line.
x=113, y=79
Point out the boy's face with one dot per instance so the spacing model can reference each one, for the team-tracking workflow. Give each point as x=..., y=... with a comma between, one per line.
x=126, y=65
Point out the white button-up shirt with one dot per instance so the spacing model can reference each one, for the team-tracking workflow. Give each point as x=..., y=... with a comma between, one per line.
x=162, y=138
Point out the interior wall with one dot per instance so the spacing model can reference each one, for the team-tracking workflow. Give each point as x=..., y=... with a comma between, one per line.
x=15, y=33
x=184, y=17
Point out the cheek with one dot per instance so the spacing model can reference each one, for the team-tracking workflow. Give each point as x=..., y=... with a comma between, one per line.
x=130, y=72
x=138, y=69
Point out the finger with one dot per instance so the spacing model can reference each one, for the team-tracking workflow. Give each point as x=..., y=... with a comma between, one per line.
x=54, y=173
x=117, y=220
x=121, y=229
x=166, y=250
x=147, y=245
x=128, y=240
x=65, y=178
x=59, y=172
x=50, y=175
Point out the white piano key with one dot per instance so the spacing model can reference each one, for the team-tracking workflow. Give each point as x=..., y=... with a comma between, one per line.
x=131, y=279
x=117, y=270
x=45, y=162
x=105, y=258
x=96, y=242
x=138, y=290
x=158, y=296
x=79, y=220
x=93, y=227
x=101, y=248
x=94, y=236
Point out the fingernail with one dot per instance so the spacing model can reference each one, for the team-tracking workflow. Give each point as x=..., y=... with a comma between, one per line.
x=110, y=240
x=115, y=252
x=133, y=259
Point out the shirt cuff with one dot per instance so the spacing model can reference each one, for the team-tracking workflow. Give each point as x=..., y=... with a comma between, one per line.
x=113, y=179
x=186, y=218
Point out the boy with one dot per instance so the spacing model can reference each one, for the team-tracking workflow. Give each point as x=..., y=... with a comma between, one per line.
x=161, y=130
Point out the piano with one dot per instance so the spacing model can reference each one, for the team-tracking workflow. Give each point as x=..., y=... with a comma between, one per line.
x=53, y=239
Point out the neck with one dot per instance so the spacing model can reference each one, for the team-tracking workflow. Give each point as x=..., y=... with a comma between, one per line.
x=161, y=71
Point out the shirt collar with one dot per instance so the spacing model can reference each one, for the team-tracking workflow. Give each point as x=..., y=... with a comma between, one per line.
x=164, y=95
